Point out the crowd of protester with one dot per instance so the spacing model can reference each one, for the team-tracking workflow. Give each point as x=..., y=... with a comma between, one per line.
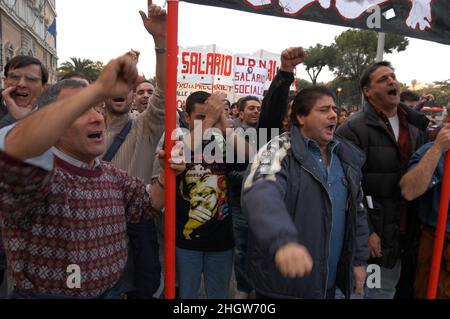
x=288, y=196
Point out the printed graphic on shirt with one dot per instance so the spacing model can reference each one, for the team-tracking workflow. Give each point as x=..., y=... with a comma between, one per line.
x=204, y=187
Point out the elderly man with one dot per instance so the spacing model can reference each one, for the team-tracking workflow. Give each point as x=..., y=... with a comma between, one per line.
x=64, y=211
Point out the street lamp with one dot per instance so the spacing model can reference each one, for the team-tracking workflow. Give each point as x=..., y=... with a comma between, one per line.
x=338, y=90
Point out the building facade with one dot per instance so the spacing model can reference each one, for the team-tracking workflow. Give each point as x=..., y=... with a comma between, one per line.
x=28, y=27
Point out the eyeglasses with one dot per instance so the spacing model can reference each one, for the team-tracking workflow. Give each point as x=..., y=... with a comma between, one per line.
x=29, y=78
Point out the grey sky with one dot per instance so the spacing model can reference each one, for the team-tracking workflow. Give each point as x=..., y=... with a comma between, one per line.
x=104, y=29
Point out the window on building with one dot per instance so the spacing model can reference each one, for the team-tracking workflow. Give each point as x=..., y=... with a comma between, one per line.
x=54, y=62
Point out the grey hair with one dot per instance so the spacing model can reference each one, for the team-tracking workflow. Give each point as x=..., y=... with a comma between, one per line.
x=51, y=94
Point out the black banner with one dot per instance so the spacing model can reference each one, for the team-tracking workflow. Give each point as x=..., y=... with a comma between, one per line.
x=423, y=19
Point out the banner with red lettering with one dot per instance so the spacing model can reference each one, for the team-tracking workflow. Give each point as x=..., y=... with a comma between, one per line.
x=250, y=76
x=186, y=89
x=211, y=68
x=205, y=64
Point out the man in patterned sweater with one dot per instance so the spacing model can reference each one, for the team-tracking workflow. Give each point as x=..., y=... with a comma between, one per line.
x=63, y=211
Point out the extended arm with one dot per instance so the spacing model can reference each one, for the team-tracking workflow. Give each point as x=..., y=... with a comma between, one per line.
x=42, y=129
x=416, y=181
x=155, y=22
x=275, y=103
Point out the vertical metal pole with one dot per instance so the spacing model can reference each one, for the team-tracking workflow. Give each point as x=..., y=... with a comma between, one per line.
x=171, y=106
x=380, y=46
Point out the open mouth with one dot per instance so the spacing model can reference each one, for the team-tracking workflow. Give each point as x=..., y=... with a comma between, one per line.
x=392, y=92
x=119, y=99
x=21, y=94
x=96, y=136
x=330, y=128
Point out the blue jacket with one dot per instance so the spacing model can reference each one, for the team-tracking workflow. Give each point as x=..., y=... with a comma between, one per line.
x=286, y=200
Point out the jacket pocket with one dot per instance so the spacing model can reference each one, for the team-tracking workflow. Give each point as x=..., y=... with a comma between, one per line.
x=375, y=216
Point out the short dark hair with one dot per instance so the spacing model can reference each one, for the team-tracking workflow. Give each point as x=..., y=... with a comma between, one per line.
x=305, y=100
x=51, y=94
x=365, y=77
x=21, y=61
x=409, y=96
x=199, y=97
x=74, y=74
x=243, y=101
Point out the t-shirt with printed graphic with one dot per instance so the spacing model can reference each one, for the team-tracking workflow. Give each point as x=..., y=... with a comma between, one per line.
x=203, y=212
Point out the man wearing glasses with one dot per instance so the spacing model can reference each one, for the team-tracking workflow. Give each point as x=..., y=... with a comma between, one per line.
x=25, y=80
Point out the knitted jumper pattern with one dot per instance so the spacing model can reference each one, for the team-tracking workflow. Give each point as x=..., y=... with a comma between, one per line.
x=53, y=220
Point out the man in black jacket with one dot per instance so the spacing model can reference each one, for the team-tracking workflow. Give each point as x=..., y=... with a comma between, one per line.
x=388, y=132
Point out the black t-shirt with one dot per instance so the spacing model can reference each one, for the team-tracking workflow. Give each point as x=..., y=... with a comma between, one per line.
x=203, y=211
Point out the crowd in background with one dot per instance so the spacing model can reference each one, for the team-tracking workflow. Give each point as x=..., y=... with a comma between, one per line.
x=329, y=193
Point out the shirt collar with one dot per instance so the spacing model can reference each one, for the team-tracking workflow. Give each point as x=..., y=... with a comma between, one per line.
x=73, y=161
x=332, y=146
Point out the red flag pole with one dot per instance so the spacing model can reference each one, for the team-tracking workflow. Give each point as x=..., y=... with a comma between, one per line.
x=440, y=231
x=171, y=105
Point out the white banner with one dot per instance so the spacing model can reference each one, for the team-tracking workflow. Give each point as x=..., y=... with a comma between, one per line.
x=205, y=64
x=250, y=76
x=186, y=89
x=212, y=66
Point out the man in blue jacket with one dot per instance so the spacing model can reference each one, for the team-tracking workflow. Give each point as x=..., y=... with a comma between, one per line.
x=308, y=230
x=423, y=182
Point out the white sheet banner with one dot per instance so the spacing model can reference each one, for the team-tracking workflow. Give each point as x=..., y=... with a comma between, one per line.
x=245, y=74
x=205, y=64
x=250, y=76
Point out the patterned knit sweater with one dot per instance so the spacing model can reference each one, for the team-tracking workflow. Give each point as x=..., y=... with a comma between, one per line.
x=67, y=216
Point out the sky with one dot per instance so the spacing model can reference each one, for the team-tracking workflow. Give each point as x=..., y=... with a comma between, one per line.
x=104, y=29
